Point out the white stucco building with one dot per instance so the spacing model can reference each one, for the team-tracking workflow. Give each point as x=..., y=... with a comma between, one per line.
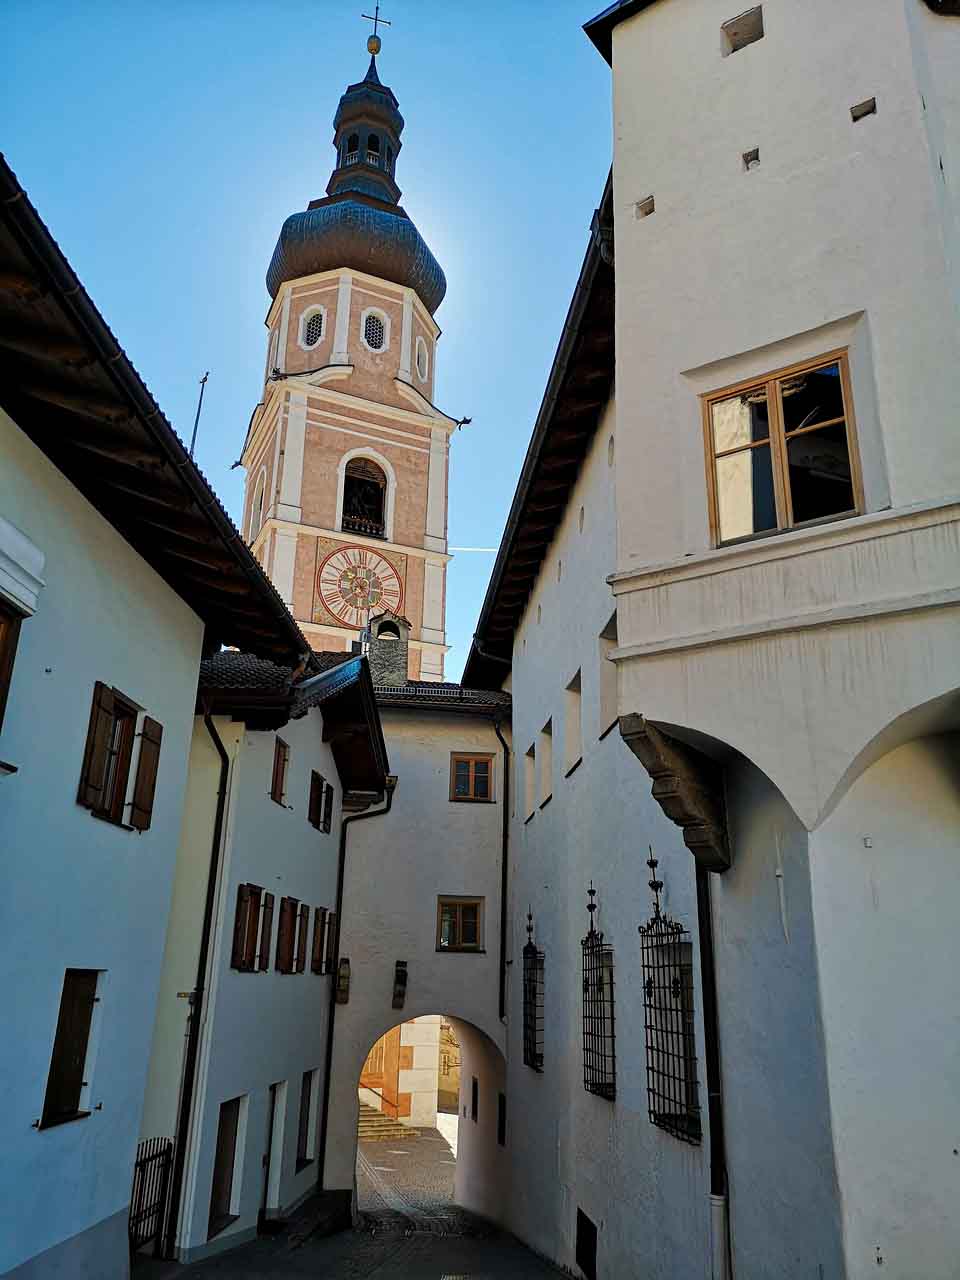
x=238, y=1071
x=117, y=569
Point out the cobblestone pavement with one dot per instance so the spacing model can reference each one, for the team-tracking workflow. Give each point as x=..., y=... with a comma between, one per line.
x=410, y=1229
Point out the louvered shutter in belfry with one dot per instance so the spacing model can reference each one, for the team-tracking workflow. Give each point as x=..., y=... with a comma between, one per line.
x=146, y=783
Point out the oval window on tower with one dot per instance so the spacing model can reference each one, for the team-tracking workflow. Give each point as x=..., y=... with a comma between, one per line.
x=311, y=327
x=374, y=331
x=422, y=364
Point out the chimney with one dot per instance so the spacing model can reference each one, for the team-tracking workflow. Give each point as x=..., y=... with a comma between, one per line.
x=387, y=650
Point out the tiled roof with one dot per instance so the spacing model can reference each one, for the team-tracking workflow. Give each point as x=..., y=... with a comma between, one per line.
x=230, y=669
x=442, y=695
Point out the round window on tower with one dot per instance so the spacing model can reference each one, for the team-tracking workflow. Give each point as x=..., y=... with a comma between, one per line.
x=312, y=326
x=423, y=359
x=375, y=330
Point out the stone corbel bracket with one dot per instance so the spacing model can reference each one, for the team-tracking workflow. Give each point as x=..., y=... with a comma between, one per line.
x=687, y=785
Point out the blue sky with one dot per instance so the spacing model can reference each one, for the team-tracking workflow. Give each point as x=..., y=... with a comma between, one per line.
x=164, y=144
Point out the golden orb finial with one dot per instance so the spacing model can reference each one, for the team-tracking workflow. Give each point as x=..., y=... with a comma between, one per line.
x=373, y=45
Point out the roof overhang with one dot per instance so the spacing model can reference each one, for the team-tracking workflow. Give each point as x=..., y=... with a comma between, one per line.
x=578, y=390
x=67, y=383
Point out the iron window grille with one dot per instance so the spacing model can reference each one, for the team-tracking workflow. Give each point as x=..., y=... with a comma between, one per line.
x=599, y=1041
x=532, y=1001
x=667, y=960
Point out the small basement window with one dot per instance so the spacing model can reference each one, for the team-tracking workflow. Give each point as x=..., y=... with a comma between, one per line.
x=745, y=29
x=643, y=208
x=863, y=109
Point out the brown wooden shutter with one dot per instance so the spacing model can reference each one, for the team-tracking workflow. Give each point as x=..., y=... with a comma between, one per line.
x=303, y=928
x=331, y=955
x=266, y=932
x=146, y=782
x=315, y=807
x=240, y=927
x=316, y=955
x=328, y=808
x=253, y=928
x=280, y=753
x=65, y=1081
x=286, y=934
x=96, y=754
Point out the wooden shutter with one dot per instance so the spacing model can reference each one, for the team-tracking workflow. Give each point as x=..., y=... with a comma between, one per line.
x=240, y=927
x=315, y=807
x=328, y=808
x=146, y=781
x=286, y=934
x=316, y=954
x=280, y=753
x=253, y=929
x=65, y=1082
x=266, y=932
x=303, y=928
x=96, y=753
x=331, y=956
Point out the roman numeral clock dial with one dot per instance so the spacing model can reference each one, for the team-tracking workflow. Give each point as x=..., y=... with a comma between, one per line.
x=354, y=582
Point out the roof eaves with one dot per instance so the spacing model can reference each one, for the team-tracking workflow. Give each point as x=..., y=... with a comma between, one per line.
x=599, y=29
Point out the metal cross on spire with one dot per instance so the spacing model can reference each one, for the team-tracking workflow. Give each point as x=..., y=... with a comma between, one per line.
x=373, y=44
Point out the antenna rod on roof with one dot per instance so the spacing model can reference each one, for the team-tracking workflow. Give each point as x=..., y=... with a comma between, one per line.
x=196, y=421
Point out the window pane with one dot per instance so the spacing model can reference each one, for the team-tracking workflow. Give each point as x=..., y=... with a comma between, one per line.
x=481, y=779
x=819, y=468
x=811, y=397
x=447, y=925
x=468, y=924
x=745, y=497
x=461, y=778
x=739, y=420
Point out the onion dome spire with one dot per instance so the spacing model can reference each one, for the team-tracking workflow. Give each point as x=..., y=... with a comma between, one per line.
x=359, y=223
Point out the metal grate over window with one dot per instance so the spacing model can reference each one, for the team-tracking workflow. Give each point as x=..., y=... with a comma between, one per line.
x=373, y=332
x=599, y=1056
x=313, y=329
x=667, y=960
x=532, y=1001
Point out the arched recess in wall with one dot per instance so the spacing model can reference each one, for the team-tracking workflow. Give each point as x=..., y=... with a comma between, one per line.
x=936, y=716
x=391, y=486
x=255, y=516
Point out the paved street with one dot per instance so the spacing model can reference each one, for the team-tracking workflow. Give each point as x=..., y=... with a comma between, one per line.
x=410, y=1230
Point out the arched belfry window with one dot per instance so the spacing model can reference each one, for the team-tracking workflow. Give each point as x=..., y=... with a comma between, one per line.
x=373, y=149
x=388, y=631
x=364, y=498
x=353, y=146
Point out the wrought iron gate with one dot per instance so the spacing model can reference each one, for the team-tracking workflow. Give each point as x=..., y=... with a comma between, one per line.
x=148, y=1200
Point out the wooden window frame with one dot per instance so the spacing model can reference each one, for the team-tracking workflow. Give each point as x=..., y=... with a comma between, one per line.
x=471, y=758
x=326, y=825
x=11, y=619
x=114, y=727
x=285, y=959
x=777, y=443
x=61, y=1052
x=252, y=929
x=281, y=764
x=319, y=938
x=303, y=931
x=458, y=901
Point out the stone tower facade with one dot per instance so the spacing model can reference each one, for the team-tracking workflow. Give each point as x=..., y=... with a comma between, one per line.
x=346, y=455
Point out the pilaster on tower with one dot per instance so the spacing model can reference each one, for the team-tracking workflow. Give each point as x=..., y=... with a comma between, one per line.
x=347, y=455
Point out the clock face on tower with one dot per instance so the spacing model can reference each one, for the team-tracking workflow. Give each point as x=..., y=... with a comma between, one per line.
x=354, y=582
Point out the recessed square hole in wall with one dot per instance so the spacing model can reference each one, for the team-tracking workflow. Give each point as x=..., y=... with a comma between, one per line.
x=644, y=208
x=745, y=29
x=751, y=159
x=867, y=108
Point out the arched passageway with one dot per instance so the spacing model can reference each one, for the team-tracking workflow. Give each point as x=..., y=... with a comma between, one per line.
x=431, y=1129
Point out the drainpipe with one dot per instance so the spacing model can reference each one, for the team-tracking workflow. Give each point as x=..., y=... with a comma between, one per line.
x=504, y=869
x=390, y=787
x=719, y=1209
x=196, y=997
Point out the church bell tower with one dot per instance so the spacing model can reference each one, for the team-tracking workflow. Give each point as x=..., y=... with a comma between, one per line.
x=346, y=456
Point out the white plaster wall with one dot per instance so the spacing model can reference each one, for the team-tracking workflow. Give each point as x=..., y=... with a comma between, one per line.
x=884, y=869
x=482, y=1175
x=261, y=1028
x=396, y=868
x=422, y=1035
x=839, y=218
x=80, y=892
